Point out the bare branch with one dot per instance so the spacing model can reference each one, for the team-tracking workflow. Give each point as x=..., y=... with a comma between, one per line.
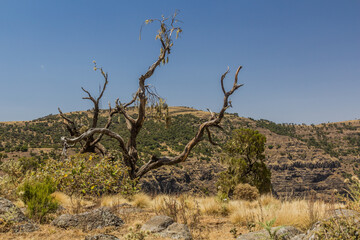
x=222, y=80
x=111, y=113
x=93, y=131
x=70, y=125
x=89, y=95
x=121, y=109
x=132, y=101
x=214, y=122
x=210, y=139
x=212, y=113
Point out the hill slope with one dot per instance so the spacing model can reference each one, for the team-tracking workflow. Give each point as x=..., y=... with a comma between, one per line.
x=302, y=158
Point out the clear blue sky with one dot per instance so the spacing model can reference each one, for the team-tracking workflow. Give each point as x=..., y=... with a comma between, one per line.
x=301, y=58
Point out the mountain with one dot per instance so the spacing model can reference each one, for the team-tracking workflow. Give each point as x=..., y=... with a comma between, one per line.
x=304, y=159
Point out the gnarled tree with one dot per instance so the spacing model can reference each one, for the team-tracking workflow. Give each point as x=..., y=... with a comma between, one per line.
x=90, y=143
x=141, y=97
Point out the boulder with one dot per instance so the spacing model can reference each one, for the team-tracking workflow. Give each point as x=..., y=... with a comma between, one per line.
x=24, y=227
x=101, y=237
x=157, y=224
x=347, y=220
x=177, y=231
x=9, y=212
x=283, y=233
x=15, y=218
x=98, y=218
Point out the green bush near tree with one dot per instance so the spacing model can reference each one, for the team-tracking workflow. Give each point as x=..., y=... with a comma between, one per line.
x=37, y=197
x=244, y=156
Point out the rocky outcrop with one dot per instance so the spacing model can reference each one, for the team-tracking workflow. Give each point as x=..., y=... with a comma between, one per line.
x=166, y=227
x=193, y=177
x=157, y=224
x=101, y=237
x=14, y=218
x=342, y=224
x=9, y=212
x=282, y=233
x=298, y=170
x=177, y=231
x=98, y=218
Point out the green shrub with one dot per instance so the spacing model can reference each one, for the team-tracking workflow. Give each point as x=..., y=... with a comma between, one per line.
x=245, y=192
x=245, y=163
x=88, y=175
x=37, y=197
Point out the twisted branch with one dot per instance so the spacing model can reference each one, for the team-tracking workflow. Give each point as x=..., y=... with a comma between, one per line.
x=156, y=162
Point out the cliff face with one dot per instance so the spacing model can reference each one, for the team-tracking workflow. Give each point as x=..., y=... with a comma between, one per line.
x=299, y=170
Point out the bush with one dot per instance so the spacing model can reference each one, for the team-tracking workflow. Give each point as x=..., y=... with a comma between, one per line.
x=89, y=174
x=245, y=192
x=244, y=157
x=11, y=178
x=30, y=163
x=37, y=197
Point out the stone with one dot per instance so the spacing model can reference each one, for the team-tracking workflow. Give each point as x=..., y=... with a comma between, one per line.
x=101, y=237
x=17, y=220
x=98, y=218
x=287, y=232
x=25, y=227
x=9, y=212
x=344, y=213
x=282, y=233
x=337, y=215
x=157, y=224
x=177, y=231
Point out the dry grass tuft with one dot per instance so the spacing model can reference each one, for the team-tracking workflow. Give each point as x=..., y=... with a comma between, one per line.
x=158, y=202
x=73, y=204
x=210, y=206
x=112, y=201
x=141, y=200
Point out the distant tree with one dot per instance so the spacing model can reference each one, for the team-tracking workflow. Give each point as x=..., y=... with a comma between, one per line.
x=144, y=104
x=245, y=162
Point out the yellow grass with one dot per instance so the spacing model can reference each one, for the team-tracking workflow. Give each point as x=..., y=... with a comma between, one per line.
x=209, y=206
x=215, y=218
x=141, y=200
x=298, y=213
x=158, y=202
x=67, y=201
x=113, y=200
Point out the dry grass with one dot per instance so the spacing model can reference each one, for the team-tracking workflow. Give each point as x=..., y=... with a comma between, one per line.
x=208, y=217
x=73, y=205
x=298, y=213
x=141, y=200
x=112, y=201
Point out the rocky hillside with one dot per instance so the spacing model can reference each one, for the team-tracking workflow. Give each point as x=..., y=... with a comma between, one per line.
x=302, y=158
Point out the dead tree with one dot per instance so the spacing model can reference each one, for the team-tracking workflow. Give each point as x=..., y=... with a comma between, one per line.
x=90, y=143
x=134, y=125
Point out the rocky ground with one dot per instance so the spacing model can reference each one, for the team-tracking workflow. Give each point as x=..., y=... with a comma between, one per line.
x=113, y=223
